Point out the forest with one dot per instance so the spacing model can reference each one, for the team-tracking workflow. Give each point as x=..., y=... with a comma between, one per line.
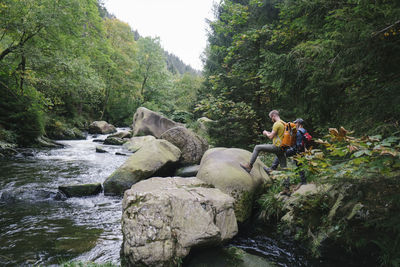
x=332, y=63
x=66, y=63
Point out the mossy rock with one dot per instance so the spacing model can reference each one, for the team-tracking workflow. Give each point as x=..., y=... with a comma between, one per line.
x=221, y=168
x=157, y=157
x=80, y=190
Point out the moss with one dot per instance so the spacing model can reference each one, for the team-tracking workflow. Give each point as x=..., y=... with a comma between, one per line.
x=242, y=205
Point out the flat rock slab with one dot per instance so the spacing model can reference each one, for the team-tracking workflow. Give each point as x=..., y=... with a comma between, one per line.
x=80, y=190
x=163, y=218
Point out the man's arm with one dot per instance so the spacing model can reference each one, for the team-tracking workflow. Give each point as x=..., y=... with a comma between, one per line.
x=270, y=135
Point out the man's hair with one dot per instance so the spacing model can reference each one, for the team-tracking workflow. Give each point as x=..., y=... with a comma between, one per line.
x=273, y=112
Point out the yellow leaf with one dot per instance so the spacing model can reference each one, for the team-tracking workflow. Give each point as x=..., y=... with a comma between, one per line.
x=333, y=131
x=389, y=152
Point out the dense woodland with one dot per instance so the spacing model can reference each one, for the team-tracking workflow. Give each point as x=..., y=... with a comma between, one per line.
x=332, y=63
x=65, y=63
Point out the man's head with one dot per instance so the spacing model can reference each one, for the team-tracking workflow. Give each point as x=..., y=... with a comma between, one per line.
x=299, y=122
x=274, y=115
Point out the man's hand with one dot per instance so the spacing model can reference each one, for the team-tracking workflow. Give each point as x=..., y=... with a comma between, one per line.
x=266, y=133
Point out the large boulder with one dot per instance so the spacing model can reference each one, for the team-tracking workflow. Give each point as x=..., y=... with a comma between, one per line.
x=135, y=143
x=191, y=145
x=101, y=127
x=158, y=157
x=220, y=167
x=147, y=122
x=163, y=218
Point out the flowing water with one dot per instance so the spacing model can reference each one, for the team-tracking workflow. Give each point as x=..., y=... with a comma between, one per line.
x=37, y=229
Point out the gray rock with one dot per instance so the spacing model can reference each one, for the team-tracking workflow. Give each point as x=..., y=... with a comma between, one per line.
x=135, y=143
x=101, y=127
x=147, y=122
x=220, y=167
x=80, y=190
x=114, y=141
x=191, y=145
x=189, y=171
x=46, y=142
x=157, y=157
x=122, y=134
x=100, y=150
x=163, y=218
x=7, y=149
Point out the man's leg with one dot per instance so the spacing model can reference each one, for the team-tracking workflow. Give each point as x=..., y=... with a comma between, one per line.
x=281, y=156
x=257, y=149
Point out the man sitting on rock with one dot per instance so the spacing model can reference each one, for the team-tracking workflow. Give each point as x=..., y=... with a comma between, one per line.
x=277, y=136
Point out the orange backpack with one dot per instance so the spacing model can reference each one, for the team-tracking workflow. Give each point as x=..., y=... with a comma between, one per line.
x=289, y=135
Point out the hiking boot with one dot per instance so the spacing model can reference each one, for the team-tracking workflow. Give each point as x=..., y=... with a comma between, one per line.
x=267, y=170
x=286, y=192
x=246, y=166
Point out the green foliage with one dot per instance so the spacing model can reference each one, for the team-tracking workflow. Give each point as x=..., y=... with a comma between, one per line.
x=344, y=156
x=329, y=62
x=270, y=204
x=72, y=60
x=358, y=202
x=22, y=114
x=8, y=136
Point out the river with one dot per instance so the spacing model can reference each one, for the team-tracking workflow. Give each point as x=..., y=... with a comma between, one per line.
x=36, y=229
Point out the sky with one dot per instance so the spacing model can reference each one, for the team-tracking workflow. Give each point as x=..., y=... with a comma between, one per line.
x=180, y=24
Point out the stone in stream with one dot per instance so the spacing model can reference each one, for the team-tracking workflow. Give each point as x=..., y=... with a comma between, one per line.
x=100, y=150
x=155, y=158
x=115, y=141
x=122, y=134
x=147, y=122
x=163, y=218
x=101, y=127
x=220, y=167
x=80, y=190
x=46, y=142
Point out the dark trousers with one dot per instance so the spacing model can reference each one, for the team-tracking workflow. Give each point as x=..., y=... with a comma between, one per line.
x=290, y=152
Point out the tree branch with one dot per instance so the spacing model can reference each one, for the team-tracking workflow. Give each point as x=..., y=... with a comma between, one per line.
x=385, y=29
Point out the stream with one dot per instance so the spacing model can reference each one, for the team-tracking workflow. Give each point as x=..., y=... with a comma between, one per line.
x=36, y=229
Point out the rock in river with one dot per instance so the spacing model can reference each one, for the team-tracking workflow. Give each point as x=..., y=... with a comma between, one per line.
x=147, y=122
x=101, y=127
x=220, y=167
x=163, y=218
x=157, y=157
x=80, y=190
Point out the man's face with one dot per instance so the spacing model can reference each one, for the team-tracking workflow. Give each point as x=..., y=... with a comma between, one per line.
x=273, y=118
